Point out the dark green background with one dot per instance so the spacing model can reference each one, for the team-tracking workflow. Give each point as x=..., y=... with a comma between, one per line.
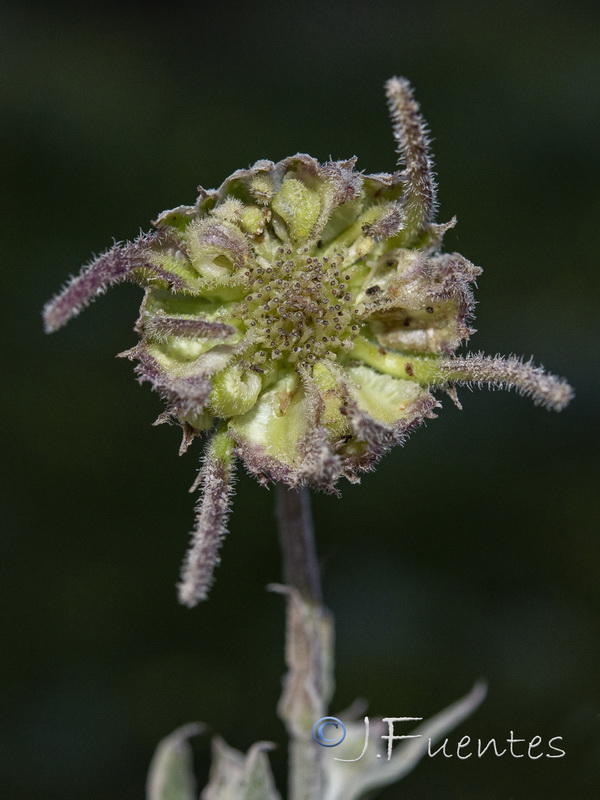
x=473, y=551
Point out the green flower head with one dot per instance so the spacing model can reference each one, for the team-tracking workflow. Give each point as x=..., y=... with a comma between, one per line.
x=304, y=314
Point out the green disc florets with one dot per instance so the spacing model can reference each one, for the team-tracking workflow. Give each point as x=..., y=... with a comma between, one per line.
x=299, y=308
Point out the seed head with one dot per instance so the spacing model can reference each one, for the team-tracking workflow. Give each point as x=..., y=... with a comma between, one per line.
x=304, y=314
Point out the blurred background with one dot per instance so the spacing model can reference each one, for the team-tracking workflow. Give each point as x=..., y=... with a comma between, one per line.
x=471, y=552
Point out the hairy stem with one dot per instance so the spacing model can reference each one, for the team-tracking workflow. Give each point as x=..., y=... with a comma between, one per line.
x=309, y=644
x=297, y=539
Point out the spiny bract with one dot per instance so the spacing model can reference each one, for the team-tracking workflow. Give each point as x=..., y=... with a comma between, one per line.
x=303, y=313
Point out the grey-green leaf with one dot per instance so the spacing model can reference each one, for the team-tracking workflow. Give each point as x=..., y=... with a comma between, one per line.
x=235, y=776
x=171, y=775
x=357, y=779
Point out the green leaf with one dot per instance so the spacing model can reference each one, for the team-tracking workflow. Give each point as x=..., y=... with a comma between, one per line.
x=357, y=779
x=235, y=776
x=171, y=775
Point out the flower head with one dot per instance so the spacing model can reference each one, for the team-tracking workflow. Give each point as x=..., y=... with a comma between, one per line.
x=304, y=314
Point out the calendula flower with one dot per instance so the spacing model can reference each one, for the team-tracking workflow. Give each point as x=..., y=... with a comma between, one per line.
x=305, y=315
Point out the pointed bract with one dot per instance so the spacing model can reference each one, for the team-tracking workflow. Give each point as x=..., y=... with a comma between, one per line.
x=502, y=372
x=114, y=266
x=216, y=483
x=412, y=139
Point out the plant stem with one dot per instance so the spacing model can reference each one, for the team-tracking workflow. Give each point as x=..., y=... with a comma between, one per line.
x=309, y=645
x=297, y=539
